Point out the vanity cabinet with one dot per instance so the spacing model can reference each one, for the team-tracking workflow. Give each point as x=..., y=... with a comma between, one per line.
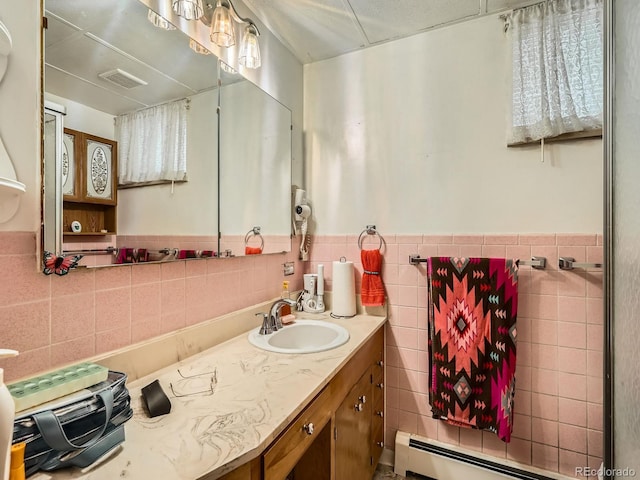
x=89, y=183
x=339, y=434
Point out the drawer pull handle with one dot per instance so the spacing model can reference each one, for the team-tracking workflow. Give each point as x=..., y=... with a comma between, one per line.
x=358, y=407
x=308, y=427
x=380, y=444
x=380, y=414
x=362, y=398
x=380, y=385
x=380, y=363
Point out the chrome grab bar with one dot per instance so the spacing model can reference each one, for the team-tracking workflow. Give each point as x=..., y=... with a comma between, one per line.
x=569, y=263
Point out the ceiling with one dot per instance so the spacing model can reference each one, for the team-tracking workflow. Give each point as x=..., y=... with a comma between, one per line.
x=87, y=37
x=319, y=29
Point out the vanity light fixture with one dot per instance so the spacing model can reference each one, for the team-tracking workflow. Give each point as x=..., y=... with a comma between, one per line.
x=223, y=33
x=159, y=21
x=188, y=9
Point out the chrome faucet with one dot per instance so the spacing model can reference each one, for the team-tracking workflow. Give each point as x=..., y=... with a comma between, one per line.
x=274, y=312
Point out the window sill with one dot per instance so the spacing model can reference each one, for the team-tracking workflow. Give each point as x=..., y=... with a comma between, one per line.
x=565, y=137
x=149, y=184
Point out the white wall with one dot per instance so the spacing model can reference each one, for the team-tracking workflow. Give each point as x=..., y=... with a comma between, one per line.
x=411, y=136
x=84, y=119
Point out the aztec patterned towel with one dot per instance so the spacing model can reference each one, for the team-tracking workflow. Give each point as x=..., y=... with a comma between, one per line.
x=473, y=305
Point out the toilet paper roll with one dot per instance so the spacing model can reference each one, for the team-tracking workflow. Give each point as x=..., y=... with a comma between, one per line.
x=344, y=290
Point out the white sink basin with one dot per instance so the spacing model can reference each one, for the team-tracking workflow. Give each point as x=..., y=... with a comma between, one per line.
x=303, y=336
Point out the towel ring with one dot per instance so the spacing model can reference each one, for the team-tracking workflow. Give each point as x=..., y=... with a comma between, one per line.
x=370, y=230
x=255, y=231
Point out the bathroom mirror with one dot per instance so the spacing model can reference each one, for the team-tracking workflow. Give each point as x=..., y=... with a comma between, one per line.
x=255, y=168
x=86, y=38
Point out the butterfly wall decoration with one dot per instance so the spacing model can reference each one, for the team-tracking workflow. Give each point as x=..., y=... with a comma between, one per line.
x=60, y=265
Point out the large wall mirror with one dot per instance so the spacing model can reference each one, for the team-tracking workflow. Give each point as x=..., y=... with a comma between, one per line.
x=255, y=168
x=108, y=60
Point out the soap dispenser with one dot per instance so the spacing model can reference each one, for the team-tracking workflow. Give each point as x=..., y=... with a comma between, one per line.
x=7, y=416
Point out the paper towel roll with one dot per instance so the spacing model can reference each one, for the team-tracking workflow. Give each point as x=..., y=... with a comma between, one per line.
x=344, y=290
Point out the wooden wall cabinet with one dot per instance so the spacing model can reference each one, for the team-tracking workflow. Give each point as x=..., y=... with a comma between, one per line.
x=339, y=434
x=89, y=176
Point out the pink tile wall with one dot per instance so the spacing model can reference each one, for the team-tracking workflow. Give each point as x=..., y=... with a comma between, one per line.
x=558, y=403
x=54, y=320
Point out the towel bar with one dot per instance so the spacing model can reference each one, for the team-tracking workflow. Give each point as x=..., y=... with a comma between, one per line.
x=569, y=263
x=539, y=263
x=92, y=251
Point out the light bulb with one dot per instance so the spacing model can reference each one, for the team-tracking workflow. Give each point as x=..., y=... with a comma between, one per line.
x=188, y=9
x=250, y=49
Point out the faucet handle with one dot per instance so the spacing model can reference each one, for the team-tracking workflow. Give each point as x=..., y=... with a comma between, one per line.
x=266, y=328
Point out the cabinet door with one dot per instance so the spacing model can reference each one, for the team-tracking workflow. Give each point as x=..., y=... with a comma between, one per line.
x=100, y=170
x=71, y=162
x=353, y=432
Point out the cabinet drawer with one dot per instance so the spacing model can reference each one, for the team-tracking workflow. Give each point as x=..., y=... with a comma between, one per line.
x=284, y=453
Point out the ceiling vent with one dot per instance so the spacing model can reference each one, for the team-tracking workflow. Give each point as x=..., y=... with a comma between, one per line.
x=122, y=78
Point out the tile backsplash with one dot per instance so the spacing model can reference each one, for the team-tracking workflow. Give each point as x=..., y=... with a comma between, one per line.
x=558, y=402
x=54, y=320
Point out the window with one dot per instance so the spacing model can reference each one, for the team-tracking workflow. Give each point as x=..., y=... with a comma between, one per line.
x=152, y=144
x=557, y=69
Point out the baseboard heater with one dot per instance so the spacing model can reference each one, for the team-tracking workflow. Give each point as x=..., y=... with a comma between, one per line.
x=439, y=461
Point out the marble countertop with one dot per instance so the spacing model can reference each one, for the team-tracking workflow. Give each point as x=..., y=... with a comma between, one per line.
x=250, y=396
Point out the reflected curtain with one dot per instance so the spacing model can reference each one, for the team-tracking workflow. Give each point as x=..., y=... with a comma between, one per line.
x=152, y=144
x=557, y=68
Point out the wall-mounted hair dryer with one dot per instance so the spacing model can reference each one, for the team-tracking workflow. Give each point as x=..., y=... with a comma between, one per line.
x=301, y=212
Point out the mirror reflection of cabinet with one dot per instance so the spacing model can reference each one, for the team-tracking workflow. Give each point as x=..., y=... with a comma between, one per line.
x=89, y=173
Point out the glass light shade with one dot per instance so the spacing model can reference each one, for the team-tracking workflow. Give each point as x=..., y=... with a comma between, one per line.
x=223, y=32
x=227, y=68
x=196, y=47
x=188, y=9
x=250, y=50
x=159, y=21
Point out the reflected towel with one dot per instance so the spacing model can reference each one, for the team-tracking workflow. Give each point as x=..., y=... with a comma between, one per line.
x=372, y=289
x=473, y=305
x=252, y=250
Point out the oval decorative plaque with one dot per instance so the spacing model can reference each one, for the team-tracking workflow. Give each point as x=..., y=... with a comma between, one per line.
x=99, y=170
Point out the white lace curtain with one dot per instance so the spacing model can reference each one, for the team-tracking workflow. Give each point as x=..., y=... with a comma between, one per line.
x=152, y=144
x=557, y=68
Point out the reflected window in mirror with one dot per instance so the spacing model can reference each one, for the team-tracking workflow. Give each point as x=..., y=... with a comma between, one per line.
x=153, y=144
